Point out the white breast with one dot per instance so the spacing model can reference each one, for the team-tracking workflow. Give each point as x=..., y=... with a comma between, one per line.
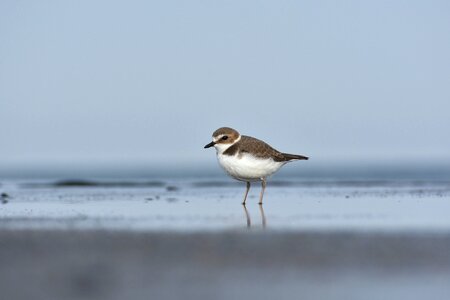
x=247, y=167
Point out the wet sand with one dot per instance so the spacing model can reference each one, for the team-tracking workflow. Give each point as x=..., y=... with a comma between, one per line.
x=229, y=265
x=192, y=239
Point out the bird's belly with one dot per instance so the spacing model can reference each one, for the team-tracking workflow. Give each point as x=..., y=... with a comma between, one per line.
x=246, y=167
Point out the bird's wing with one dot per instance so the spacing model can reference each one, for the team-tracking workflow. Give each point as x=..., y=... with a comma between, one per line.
x=259, y=148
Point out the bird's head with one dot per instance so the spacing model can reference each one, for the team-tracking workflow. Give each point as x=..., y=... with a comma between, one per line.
x=223, y=138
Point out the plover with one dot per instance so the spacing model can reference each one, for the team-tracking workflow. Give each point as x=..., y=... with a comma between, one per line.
x=248, y=159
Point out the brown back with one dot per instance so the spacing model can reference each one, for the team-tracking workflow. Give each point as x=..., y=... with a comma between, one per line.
x=258, y=148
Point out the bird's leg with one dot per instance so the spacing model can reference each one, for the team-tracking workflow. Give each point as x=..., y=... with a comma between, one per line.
x=263, y=187
x=246, y=192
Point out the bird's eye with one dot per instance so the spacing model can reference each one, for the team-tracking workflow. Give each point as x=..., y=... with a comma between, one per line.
x=224, y=137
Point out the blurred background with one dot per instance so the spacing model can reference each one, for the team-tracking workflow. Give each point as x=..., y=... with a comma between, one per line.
x=133, y=88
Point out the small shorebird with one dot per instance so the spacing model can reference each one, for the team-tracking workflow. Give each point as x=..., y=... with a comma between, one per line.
x=248, y=159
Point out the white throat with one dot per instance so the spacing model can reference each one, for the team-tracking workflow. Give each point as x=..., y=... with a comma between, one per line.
x=221, y=148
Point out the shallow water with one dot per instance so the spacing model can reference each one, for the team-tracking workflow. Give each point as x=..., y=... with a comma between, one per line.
x=212, y=205
x=191, y=238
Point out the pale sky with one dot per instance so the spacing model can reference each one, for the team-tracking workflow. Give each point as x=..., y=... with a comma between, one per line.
x=132, y=81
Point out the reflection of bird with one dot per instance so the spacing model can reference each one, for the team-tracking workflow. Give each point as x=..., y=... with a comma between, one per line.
x=247, y=217
x=248, y=159
x=263, y=217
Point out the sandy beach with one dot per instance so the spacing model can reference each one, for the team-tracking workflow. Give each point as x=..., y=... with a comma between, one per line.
x=191, y=239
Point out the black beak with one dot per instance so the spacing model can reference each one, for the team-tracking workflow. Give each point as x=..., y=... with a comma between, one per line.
x=209, y=145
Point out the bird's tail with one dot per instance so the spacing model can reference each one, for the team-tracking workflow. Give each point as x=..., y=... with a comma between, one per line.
x=289, y=157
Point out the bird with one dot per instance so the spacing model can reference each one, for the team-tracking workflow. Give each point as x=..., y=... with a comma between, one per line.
x=248, y=159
